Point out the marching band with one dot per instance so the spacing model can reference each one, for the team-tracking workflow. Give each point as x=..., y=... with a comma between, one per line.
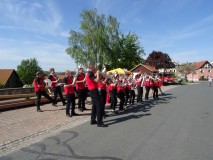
x=98, y=85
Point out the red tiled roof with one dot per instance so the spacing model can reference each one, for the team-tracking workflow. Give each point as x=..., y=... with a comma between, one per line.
x=152, y=69
x=199, y=65
x=149, y=67
x=5, y=75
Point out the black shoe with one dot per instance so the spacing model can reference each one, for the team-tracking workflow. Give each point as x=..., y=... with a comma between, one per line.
x=105, y=115
x=94, y=122
x=54, y=105
x=39, y=110
x=102, y=125
x=115, y=112
x=74, y=114
x=68, y=115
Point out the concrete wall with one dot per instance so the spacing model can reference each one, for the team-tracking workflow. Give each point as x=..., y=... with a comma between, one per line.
x=11, y=91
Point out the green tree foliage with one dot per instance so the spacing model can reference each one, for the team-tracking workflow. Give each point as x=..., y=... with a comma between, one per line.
x=100, y=42
x=27, y=70
x=159, y=59
x=186, y=69
x=130, y=51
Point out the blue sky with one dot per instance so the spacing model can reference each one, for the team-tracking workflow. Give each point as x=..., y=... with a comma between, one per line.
x=39, y=28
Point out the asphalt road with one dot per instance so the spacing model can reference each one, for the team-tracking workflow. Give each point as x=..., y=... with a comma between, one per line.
x=178, y=126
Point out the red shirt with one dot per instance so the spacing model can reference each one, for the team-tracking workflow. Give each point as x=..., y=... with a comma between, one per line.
x=120, y=88
x=110, y=87
x=80, y=85
x=92, y=85
x=52, y=78
x=138, y=83
x=147, y=82
x=38, y=81
x=68, y=90
x=151, y=83
x=101, y=85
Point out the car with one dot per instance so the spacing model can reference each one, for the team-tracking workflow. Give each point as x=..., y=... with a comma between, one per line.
x=168, y=78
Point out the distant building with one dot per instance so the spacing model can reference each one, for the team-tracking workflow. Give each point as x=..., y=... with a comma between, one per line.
x=203, y=70
x=144, y=68
x=9, y=78
x=167, y=70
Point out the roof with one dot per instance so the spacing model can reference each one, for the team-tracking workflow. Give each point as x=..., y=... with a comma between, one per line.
x=146, y=66
x=5, y=75
x=199, y=65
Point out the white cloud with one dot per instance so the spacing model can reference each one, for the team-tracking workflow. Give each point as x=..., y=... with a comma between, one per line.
x=48, y=54
x=42, y=17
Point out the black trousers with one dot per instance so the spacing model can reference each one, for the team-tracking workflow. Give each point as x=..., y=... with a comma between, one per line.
x=155, y=92
x=147, y=92
x=102, y=93
x=132, y=97
x=96, y=106
x=70, y=104
x=81, y=98
x=121, y=97
x=38, y=98
x=57, y=91
x=127, y=91
x=140, y=94
x=113, y=99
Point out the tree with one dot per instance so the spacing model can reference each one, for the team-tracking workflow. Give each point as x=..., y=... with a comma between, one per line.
x=27, y=70
x=186, y=69
x=100, y=42
x=159, y=59
x=130, y=51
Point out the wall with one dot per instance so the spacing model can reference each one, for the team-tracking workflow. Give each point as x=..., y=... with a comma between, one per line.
x=199, y=73
x=10, y=91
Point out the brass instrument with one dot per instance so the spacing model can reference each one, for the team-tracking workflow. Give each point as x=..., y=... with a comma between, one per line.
x=103, y=74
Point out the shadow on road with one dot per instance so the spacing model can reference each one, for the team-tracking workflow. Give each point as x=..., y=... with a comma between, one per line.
x=143, y=107
x=62, y=143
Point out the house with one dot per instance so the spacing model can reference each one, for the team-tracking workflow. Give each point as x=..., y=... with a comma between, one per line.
x=167, y=70
x=203, y=69
x=9, y=78
x=144, y=68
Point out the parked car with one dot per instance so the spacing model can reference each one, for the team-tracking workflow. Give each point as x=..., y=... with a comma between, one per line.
x=168, y=78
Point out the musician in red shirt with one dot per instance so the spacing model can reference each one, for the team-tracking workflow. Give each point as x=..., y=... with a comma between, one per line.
x=81, y=90
x=92, y=83
x=121, y=94
x=131, y=86
x=155, y=88
x=102, y=92
x=147, y=86
x=56, y=88
x=113, y=95
x=69, y=83
x=138, y=81
x=126, y=89
x=39, y=87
